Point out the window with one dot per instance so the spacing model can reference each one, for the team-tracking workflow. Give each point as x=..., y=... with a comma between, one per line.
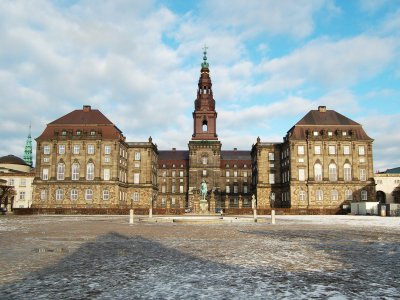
x=317, y=149
x=92, y=132
x=330, y=133
x=107, y=159
x=302, y=175
x=46, y=149
x=227, y=165
x=59, y=194
x=61, y=149
x=90, y=171
x=319, y=195
x=332, y=172
x=46, y=159
x=173, y=189
x=363, y=175
x=173, y=201
x=106, y=174
x=90, y=149
x=106, y=194
x=332, y=150
x=181, y=189
x=301, y=160
x=235, y=173
x=180, y=173
x=344, y=133
x=21, y=195
x=163, y=189
x=205, y=127
x=45, y=174
x=12, y=181
x=361, y=150
x=136, y=178
x=60, y=171
x=346, y=150
x=348, y=194
x=78, y=132
x=244, y=173
x=315, y=133
x=318, y=172
x=204, y=160
x=334, y=195
x=271, y=178
x=271, y=156
x=173, y=173
x=137, y=155
x=75, y=171
x=347, y=172
x=227, y=173
x=76, y=149
x=163, y=201
x=302, y=196
x=245, y=189
x=227, y=189
x=74, y=194
x=364, y=195
x=235, y=189
x=43, y=195
x=136, y=197
x=204, y=173
x=88, y=194
x=22, y=182
x=107, y=149
x=300, y=150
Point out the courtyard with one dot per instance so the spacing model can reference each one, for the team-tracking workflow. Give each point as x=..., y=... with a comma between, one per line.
x=105, y=257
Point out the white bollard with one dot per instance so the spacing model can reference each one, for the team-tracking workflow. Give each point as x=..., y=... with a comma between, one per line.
x=150, y=212
x=131, y=216
x=273, y=216
x=255, y=214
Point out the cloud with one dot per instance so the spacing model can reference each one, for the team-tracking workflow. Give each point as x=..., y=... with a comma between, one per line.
x=372, y=6
x=331, y=63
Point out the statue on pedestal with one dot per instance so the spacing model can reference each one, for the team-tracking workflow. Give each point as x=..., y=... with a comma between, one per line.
x=203, y=190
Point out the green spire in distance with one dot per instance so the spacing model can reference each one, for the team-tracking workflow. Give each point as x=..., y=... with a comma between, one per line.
x=28, y=149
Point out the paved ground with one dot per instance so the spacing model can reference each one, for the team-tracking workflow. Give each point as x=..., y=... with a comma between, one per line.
x=103, y=257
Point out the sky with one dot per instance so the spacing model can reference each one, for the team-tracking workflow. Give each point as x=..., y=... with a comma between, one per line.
x=138, y=62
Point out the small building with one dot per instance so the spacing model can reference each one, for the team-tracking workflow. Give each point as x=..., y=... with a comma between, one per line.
x=15, y=172
x=388, y=186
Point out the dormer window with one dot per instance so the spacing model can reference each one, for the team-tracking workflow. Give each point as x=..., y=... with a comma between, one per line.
x=330, y=133
x=315, y=133
x=92, y=132
x=64, y=132
x=78, y=132
x=344, y=133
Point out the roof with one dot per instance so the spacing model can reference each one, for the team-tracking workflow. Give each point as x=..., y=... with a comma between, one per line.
x=12, y=159
x=173, y=155
x=235, y=155
x=325, y=117
x=392, y=171
x=83, y=116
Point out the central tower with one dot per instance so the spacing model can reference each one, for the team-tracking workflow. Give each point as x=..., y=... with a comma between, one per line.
x=204, y=148
x=204, y=115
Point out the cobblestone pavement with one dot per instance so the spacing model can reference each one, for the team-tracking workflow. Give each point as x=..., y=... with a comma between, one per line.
x=104, y=257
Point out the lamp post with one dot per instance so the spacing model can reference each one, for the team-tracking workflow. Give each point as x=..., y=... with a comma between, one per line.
x=272, y=201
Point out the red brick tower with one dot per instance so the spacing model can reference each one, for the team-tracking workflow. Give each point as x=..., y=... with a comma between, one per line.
x=204, y=115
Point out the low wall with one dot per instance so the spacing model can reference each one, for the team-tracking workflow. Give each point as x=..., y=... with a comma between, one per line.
x=171, y=211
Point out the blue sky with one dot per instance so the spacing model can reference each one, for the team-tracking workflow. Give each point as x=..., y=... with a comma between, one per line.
x=139, y=61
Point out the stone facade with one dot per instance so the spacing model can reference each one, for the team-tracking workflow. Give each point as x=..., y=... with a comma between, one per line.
x=83, y=160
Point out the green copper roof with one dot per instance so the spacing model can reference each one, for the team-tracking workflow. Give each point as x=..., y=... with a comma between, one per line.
x=28, y=149
x=205, y=64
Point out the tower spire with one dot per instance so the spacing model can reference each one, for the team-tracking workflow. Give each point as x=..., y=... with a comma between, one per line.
x=28, y=148
x=205, y=64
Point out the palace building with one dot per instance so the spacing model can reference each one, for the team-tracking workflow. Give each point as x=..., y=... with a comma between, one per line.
x=83, y=160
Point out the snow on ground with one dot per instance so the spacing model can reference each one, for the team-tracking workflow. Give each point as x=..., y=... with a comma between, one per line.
x=104, y=257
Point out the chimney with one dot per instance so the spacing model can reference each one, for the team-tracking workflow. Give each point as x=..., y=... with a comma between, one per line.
x=173, y=149
x=322, y=108
x=234, y=149
x=86, y=108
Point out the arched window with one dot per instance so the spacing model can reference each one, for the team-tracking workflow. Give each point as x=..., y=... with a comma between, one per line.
x=319, y=195
x=348, y=194
x=60, y=171
x=204, y=160
x=347, y=172
x=318, y=172
x=332, y=172
x=90, y=171
x=334, y=195
x=205, y=126
x=75, y=171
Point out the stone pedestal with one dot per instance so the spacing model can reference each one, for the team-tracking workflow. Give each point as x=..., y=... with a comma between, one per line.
x=203, y=206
